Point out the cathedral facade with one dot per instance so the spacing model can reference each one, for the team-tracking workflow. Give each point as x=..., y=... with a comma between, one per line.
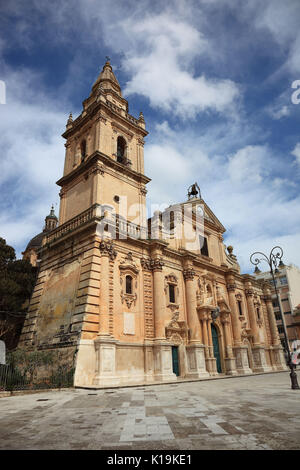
x=140, y=301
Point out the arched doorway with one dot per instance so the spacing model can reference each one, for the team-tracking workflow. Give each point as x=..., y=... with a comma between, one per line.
x=216, y=347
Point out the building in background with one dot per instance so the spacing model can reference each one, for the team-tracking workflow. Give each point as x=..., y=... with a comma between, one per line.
x=288, y=287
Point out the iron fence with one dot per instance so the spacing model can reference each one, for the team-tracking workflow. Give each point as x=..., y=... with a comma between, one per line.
x=14, y=377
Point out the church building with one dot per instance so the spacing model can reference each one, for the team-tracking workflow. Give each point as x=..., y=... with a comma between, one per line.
x=131, y=300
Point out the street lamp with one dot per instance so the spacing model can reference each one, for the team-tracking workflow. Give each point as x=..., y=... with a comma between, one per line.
x=274, y=260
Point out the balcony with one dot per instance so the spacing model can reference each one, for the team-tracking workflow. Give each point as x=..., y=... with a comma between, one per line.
x=109, y=223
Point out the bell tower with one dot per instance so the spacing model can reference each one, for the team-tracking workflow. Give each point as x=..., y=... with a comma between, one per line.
x=104, y=159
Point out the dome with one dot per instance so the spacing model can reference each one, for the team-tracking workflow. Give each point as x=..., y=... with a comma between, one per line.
x=35, y=242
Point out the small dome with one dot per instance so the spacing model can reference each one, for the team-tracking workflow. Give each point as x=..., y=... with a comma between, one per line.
x=52, y=215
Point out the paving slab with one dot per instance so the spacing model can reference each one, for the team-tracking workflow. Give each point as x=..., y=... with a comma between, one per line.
x=258, y=412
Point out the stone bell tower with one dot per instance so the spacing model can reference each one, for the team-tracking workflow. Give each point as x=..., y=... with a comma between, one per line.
x=103, y=180
x=104, y=140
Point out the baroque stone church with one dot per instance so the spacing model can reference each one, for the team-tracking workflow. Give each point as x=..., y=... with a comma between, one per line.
x=134, y=300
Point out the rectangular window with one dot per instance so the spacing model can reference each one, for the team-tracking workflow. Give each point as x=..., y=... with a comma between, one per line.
x=240, y=307
x=280, y=329
x=278, y=316
x=172, y=293
x=275, y=303
x=283, y=280
x=203, y=246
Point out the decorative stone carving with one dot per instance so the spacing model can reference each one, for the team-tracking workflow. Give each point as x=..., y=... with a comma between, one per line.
x=231, y=287
x=146, y=264
x=143, y=191
x=188, y=274
x=128, y=263
x=156, y=264
x=128, y=268
x=128, y=298
x=249, y=292
x=107, y=248
x=176, y=331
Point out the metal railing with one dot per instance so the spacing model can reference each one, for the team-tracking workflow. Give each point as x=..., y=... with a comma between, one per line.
x=13, y=378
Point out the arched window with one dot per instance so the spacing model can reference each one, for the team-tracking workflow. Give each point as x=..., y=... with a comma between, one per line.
x=83, y=149
x=128, y=285
x=121, y=146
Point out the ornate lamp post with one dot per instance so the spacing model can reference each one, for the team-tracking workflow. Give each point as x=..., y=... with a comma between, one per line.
x=274, y=261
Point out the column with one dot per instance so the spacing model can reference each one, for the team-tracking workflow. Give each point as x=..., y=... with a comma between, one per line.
x=236, y=324
x=195, y=350
x=158, y=298
x=104, y=295
x=192, y=316
x=239, y=349
x=258, y=350
x=230, y=364
x=162, y=350
x=105, y=344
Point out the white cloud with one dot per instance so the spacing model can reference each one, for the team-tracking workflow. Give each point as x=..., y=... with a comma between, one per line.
x=296, y=153
x=159, y=61
x=284, y=111
x=32, y=157
x=248, y=165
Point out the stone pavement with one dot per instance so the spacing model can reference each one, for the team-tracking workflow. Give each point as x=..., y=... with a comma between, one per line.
x=253, y=412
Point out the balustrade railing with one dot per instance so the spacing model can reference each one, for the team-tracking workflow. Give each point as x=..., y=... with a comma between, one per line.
x=121, y=225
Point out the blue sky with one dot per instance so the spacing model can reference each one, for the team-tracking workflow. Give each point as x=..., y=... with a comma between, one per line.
x=213, y=79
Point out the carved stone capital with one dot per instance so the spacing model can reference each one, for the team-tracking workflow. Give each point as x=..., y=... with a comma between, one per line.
x=107, y=249
x=188, y=274
x=156, y=264
x=249, y=292
x=231, y=287
x=98, y=169
x=143, y=191
x=146, y=264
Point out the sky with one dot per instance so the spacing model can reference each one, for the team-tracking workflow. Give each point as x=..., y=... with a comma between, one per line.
x=216, y=81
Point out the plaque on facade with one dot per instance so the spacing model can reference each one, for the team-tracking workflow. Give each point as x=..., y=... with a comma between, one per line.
x=129, y=324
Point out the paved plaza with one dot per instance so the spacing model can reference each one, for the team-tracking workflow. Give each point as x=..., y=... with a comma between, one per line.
x=253, y=412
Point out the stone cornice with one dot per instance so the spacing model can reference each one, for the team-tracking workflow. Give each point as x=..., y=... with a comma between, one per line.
x=106, y=160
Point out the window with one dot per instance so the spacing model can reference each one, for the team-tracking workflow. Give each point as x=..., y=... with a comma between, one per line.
x=277, y=316
x=83, y=150
x=203, y=246
x=240, y=307
x=280, y=329
x=172, y=293
x=283, y=280
x=275, y=303
x=121, y=146
x=128, y=285
x=258, y=313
